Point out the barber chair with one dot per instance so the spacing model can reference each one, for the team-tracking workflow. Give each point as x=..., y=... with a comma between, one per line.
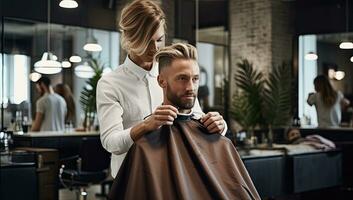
x=92, y=166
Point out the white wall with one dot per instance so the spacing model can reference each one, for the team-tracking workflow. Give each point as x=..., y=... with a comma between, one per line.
x=306, y=73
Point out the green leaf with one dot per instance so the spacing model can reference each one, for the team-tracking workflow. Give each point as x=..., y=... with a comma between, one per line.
x=88, y=97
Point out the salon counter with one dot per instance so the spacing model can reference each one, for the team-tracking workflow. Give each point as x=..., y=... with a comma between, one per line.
x=277, y=172
x=67, y=143
x=57, y=134
x=29, y=173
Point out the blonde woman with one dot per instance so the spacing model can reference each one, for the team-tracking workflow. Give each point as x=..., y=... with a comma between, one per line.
x=129, y=99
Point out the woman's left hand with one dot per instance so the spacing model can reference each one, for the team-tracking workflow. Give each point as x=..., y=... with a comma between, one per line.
x=214, y=122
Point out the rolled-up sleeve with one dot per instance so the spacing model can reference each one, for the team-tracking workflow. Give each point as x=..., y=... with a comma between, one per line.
x=114, y=137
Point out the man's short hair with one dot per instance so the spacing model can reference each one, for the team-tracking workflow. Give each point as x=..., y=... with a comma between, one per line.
x=166, y=55
x=45, y=80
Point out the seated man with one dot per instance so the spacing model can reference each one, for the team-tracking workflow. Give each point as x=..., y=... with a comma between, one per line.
x=184, y=160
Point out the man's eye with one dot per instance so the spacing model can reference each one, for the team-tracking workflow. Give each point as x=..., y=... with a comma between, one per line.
x=182, y=78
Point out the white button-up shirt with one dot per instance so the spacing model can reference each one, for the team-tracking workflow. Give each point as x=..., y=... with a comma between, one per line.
x=125, y=97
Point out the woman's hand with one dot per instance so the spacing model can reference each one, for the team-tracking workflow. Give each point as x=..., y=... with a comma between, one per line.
x=214, y=122
x=163, y=115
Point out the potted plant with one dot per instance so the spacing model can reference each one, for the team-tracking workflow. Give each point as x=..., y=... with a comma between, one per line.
x=261, y=102
x=247, y=102
x=277, y=100
x=88, y=94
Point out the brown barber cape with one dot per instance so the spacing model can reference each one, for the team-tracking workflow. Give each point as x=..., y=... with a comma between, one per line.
x=183, y=161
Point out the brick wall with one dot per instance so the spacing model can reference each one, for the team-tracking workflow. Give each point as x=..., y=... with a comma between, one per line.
x=260, y=31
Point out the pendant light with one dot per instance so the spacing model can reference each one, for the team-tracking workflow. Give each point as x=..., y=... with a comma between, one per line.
x=75, y=59
x=311, y=56
x=352, y=59
x=84, y=71
x=346, y=44
x=68, y=4
x=91, y=43
x=65, y=64
x=34, y=76
x=48, y=65
x=339, y=75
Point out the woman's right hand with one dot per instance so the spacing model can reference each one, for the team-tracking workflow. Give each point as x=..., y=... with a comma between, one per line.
x=163, y=115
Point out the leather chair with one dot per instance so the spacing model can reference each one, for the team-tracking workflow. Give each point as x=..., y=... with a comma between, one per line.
x=92, y=166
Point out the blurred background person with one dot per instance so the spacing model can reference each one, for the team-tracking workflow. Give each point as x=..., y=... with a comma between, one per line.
x=65, y=91
x=50, y=108
x=204, y=92
x=328, y=102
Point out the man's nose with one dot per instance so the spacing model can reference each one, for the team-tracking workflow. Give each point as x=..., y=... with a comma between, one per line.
x=191, y=86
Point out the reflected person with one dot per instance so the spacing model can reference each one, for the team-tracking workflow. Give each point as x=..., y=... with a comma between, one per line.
x=65, y=91
x=50, y=108
x=328, y=102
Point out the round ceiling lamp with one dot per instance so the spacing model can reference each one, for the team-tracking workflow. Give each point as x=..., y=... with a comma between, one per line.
x=68, y=4
x=34, y=76
x=75, y=59
x=92, y=43
x=84, y=71
x=47, y=65
x=339, y=75
x=311, y=56
x=65, y=64
x=346, y=44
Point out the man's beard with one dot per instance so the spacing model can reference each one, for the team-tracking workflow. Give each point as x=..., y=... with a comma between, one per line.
x=179, y=101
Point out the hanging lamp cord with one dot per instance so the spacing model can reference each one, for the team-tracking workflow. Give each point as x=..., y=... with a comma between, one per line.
x=347, y=16
x=48, y=32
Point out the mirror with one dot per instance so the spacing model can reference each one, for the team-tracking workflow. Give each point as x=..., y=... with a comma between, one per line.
x=212, y=42
x=332, y=61
x=24, y=43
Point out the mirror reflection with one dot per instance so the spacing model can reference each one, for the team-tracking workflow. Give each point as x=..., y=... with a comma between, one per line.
x=212, y=46
x=323, y=54
x=73, y=48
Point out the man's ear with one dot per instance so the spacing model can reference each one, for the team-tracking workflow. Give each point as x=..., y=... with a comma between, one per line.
x=161, y=81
